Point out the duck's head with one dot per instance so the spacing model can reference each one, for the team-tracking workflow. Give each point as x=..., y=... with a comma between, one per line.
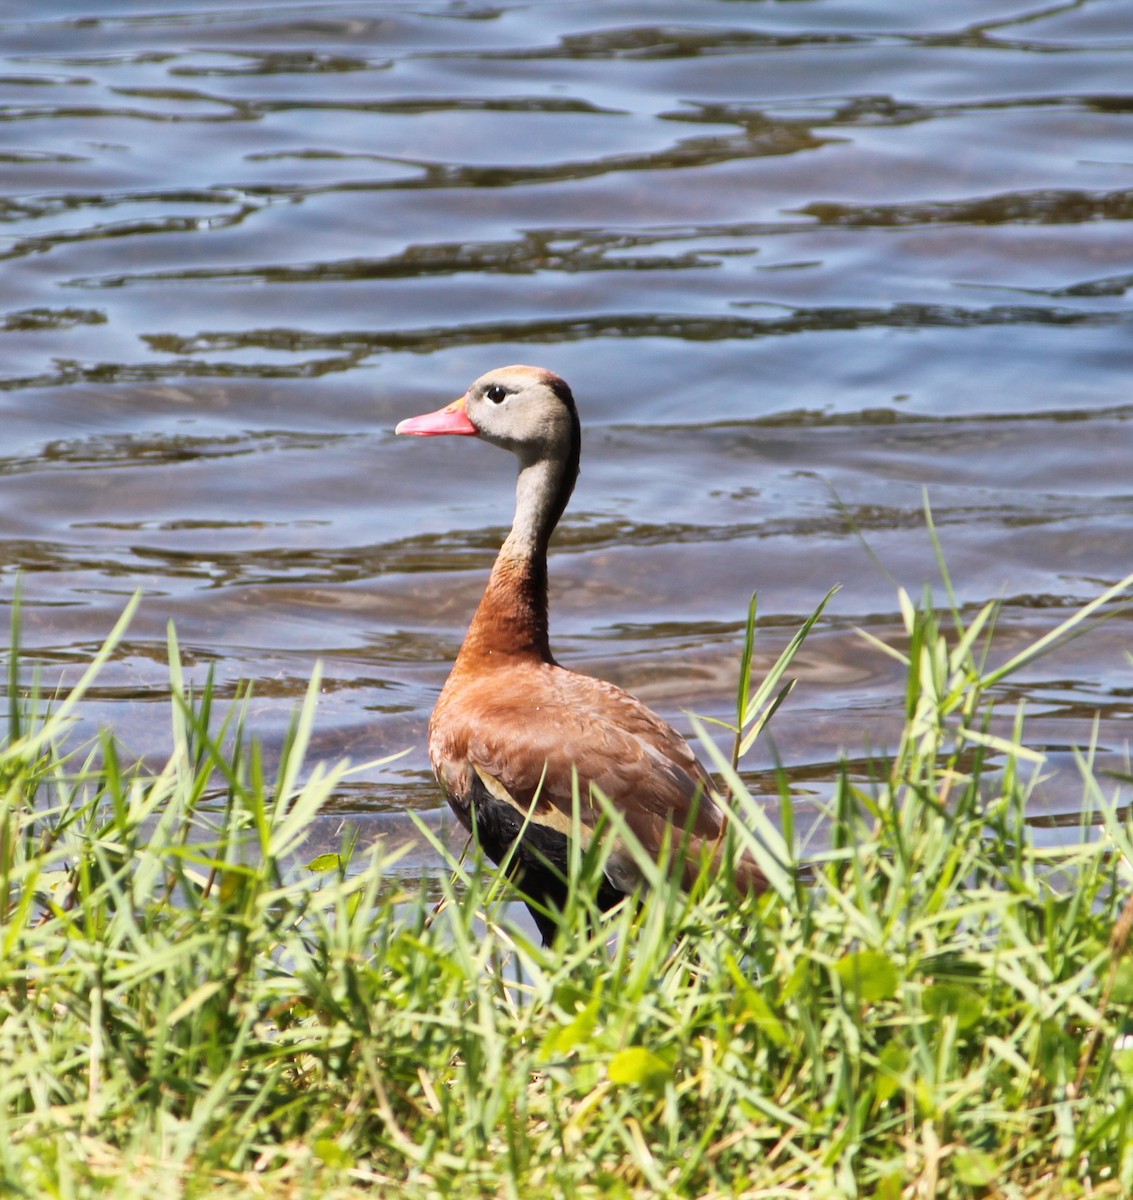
x=527, y=410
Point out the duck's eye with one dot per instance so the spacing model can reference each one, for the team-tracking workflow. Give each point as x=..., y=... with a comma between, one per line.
x=496, y=393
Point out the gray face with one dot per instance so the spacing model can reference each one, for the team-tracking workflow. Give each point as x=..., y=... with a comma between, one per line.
x=517, y=408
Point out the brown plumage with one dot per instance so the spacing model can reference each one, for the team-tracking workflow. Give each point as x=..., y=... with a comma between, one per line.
x=511, y=725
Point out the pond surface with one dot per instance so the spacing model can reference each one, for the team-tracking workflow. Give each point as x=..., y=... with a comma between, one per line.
x=802, y=263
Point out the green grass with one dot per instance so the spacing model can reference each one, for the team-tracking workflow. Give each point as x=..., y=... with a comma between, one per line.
x=939, y=1010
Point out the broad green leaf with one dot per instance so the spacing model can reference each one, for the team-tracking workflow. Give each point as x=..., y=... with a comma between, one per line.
x=636, y=1064
x=953, y=1000
x=564, y=1038
x=869, y=974
x=331, y=1154
x=325, y=862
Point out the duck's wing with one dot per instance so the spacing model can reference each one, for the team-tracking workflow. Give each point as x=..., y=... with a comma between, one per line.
x=522, y=735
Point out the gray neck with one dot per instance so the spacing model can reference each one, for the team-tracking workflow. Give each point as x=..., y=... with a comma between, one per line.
x=537, y=508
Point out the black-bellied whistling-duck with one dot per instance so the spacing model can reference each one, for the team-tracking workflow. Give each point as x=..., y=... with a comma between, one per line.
x=511, y=725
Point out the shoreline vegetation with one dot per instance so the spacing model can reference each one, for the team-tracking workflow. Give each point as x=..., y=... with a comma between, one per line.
x=938, y=1005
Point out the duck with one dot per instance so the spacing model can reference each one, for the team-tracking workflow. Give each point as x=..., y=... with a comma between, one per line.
x=513, y=729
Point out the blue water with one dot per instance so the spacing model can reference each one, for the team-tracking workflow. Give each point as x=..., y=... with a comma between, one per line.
x=803, y=264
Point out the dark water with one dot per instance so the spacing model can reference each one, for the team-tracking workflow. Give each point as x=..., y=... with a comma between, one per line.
x=801, y=262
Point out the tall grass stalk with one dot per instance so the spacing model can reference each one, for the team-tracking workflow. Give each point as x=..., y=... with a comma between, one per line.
x=940, y=1008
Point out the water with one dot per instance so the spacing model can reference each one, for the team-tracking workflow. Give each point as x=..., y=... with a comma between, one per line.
x=802, y=264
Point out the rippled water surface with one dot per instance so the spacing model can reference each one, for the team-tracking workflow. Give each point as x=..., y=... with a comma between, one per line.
x=803, y=264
